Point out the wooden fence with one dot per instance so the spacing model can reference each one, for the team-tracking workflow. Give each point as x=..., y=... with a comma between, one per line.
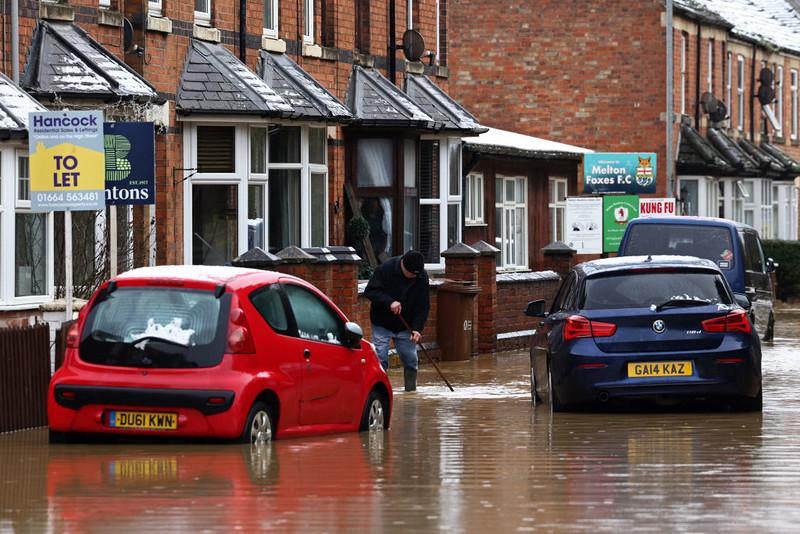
x=24, y=377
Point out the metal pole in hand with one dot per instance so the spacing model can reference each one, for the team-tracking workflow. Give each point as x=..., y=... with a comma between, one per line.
x=426, y=353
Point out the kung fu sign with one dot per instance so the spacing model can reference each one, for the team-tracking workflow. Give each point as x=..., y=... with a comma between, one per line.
x=619, y=173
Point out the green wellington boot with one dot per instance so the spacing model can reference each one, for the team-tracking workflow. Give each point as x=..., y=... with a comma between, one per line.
x=410, y=376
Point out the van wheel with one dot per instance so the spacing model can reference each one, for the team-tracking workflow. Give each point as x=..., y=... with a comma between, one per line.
x=768, y=335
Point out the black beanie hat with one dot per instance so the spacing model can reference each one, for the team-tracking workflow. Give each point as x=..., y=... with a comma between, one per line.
x=413, y=261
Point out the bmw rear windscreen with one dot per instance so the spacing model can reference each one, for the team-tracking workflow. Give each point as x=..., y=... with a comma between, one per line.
x=646, y=288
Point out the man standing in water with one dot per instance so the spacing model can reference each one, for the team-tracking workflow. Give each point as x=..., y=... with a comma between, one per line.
x=399, y=287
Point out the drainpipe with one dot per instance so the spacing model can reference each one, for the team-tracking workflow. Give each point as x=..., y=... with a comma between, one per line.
x=752, y=97
x=243, y=31
x=15, y=41
x=697, y=81
x=670, y=88
x=392, y=48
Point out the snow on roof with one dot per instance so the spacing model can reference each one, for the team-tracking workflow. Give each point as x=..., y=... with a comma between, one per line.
x=502, y=141
x=774, y=21
x=15, y=104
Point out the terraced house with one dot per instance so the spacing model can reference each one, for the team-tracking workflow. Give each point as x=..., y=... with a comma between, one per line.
x=274, y=124
x=710, y=86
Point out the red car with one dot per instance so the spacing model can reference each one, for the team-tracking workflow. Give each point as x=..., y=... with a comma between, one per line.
x=222, y=352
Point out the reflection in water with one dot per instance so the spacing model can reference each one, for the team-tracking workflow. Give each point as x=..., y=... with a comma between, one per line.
x=478, y=459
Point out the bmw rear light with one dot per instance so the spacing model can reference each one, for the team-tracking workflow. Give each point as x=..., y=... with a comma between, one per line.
x=577, y=326
x=735, y=321
x=240, y=340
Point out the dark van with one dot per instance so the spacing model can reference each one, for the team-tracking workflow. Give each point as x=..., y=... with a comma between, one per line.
x=735, y=247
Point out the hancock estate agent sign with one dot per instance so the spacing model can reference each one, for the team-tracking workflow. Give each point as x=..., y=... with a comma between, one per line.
x=631, y=174
x=67, y=160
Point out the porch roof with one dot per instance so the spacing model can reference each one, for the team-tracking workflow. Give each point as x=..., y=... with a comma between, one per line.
x=791, y=167
x=308, y=98
x=65, y=62
x=15, y=104
x=375, y=101
x=215, y=81
x=739, y=159
x=502, y=142
x=769, y=165
x=439, y=105
x=697, y=156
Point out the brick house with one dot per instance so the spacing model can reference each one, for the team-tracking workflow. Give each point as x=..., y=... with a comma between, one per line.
x=596, y=75
x=275, y=124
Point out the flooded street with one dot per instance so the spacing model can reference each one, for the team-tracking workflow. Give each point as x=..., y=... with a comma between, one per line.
x=478, y=459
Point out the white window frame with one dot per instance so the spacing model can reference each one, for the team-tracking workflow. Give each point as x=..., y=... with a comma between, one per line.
x=203, y=16
x=557, y=205
x=242, y=177
x=447, y=200
x=793, y=77
x=740, y=93
x=154, y=8
x=729, y=84
x=270, y=7
x=10, y=206
x=778, y=83
x=509, y=209
x=105, y=4
x=438, y=48
x=308, y=22
x=710, y=65
x=474, y=199
x=683, y=74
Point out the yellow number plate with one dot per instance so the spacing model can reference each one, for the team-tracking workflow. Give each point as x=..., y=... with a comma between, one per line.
x=143, y=420
x=650, y=369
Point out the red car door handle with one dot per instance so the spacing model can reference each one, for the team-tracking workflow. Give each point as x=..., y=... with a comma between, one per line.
x=306, y=353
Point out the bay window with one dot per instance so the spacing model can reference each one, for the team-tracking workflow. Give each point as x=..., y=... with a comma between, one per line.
x=260, y=185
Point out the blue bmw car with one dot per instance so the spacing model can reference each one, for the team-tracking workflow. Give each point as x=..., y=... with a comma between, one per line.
x=645, y=328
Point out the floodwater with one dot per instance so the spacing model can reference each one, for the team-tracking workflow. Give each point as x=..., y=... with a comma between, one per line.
x=479, y=459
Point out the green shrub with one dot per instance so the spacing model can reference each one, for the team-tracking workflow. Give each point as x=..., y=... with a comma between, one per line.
x=787, y=256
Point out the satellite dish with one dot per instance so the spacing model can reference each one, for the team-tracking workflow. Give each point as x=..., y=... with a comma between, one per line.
x=127, y=32
x=413, y=45
x=709, y=103
x=766, y=94
x=765, y=76
x=720, y=113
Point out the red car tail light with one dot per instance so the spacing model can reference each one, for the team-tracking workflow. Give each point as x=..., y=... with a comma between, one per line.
x=74, y=336
x=577, y=326
x=240, y=340
x=735, y=321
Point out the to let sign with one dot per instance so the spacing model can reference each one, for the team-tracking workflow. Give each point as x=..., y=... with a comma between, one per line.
x=67, y=160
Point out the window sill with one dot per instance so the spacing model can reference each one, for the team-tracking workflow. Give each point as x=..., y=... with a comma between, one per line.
x=159, y=24
x=110, y=17
x=312, y=50
x=271, y=44
x=205, y=33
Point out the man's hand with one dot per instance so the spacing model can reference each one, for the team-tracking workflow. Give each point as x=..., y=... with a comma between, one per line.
x=415, y=336
x=396, y=307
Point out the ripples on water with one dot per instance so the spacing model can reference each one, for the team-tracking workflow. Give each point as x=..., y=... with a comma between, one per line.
x=477, y=459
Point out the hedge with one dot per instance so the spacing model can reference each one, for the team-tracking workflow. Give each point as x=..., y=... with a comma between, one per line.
x=786, y=255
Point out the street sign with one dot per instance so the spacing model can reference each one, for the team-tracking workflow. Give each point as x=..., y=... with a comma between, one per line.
x=656, y=207
x=617, y=211
x=611, y=173
x=584, y=231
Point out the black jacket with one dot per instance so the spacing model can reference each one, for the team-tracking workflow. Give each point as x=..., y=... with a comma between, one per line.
x=388, y=283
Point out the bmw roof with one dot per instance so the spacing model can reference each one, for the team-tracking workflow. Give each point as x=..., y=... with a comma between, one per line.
x=622, y=263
